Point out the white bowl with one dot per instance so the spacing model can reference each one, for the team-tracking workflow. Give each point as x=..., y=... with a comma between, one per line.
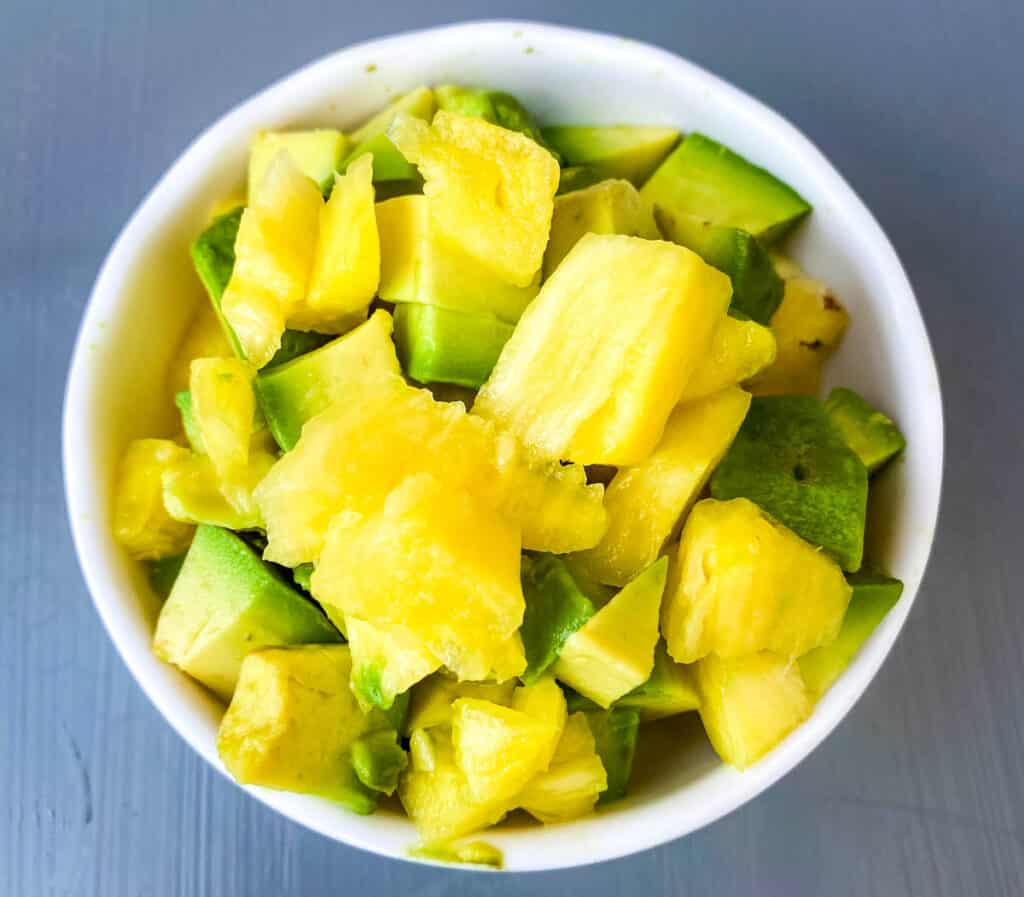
x=146, y=291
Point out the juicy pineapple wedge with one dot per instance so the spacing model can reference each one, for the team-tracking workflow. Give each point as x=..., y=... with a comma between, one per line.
x=432, y=699
x=601, y=356
x=739, y=350
x=387, y=660
x=205, y=338
x=491, y=190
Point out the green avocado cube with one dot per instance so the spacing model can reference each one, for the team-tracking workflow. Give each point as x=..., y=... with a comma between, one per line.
x=183, y=400
x=498, y=108
x=473, y=853
x=617, y=151
x=226, y=602
x=873, y=436
x=874, y=595
x=791, y=460
x=709, y=181
x=389, y=165
x=163, y=573
x=756, y=288
x=439, y=345
x=555, y=609
x=670, y=690
x=315, y=153
x=615, y=733
x=576, y=177
x=379, y=760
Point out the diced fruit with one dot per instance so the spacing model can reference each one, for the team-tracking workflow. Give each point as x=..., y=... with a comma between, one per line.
x=183, y=400
x=223, y=406
x=315, y=153
x=544, y=702
x=618, y=151
x=293, y=393
x=432, y=699
x=386, y=661
x=378, y=760
x=489, y=189
x=555, y=609
x=873, y=436
x=610, y=207
x=874, y=595
x=302, y=575
x=671, y=689
x=572, y=783
x=388, y=163
x=749, y=704
x=572, y=382
x=273, y=256
x=739, y=350
x=346, y=266
x=163, y=573
x=205, y=338
x=498, y=108
x=756, y=288
x=790, y=459
x=213, y=255
x=577, y=177
x=292, y=723
x=295, y=343
x=808, y=327
x=613, y=652
x=436, y=795
x=227, y=603
x=416, y=563
x=743, y=583
x=475, y=853
x=438, y=345
x=645, y=502
x=705, y=179
x=615, y=733
x=420, y=264
x=141, y=522
x=354, y=453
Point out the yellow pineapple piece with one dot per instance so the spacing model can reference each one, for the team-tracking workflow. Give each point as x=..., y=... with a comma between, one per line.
x=315, y=153
x=274, y=252
x=739, y=350
x=491, y=190
x=544, y=702
x=749, y=704
x=432, y=699
x=352, y=455
x=743, y=583
x=646, y=502
x=204, y=338
x=439, y=563
x=387, y=660
x=601, y=356
x=571, y=785
x=141, y=522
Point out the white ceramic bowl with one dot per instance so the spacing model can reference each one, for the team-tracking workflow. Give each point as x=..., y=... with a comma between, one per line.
x=146, y=291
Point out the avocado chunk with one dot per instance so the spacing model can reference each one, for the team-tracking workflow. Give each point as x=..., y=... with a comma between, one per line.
x=709, y=181
x=379, y=760
x=315, y=153
x=292, y=393
x=183, y=401
x=389, y=165
x=431, y=700
x=498, y=108
x=226, y=603
x=615, y=733
x=163, y=572
x=292, y=723
x=873, y=436
x=613, y=652
x=874, y=595
x=576, y=177
x=739, y=350
x=610, y=207
x=555, y=609
x=617, y=151
x=473, y=853
x=790, y=459
x=438, y=345
x=756, y=288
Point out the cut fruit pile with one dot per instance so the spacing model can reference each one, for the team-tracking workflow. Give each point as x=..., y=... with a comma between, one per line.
x=497, y=444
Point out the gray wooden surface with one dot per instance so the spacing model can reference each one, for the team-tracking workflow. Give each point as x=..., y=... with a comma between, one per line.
x=920, y=791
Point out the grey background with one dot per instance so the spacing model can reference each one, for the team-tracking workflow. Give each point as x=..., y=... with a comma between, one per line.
x=920, y=791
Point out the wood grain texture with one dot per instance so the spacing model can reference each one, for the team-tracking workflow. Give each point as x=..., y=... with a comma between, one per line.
x=920, y=791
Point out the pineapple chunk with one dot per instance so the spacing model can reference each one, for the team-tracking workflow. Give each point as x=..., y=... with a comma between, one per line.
x=386, y=661
x=273, y=257
x=544, y=702
x=739, y=350
x=491, y=190
x=749, y=704
x=646, y=502
x=743, y=583
x=204, y=338
x=436, y=561
x=141, y=522
x=315, y=153
x=600, y=358
x=353, y=454
x=432, y=699
x=346, y=266
x=570, y=786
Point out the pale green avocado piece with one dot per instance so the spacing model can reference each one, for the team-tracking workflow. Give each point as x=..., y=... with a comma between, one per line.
x=163, y=572
x=226, y=602
x=315, y=153
x=473, y=853
x=439, y=345
x=498, y=108
x=302, y=576
x=389, y=165
x=555, y=609
x=379, y=760
x=183, y=400
x=293, y=725
x=874, y=595
x=756, y=288
x=576, y=177
x=615, y=733
x=709, y=181
x=618, y=151
x=872, y=435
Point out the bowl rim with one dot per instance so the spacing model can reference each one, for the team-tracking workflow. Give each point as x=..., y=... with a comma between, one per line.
x=799, y=744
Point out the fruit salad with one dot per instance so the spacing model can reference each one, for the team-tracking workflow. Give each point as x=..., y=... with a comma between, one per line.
x=499, y=444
